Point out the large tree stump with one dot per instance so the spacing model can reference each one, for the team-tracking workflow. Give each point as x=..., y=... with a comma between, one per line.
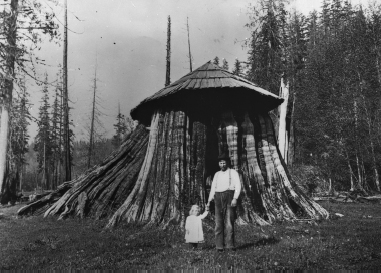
x=156, y=176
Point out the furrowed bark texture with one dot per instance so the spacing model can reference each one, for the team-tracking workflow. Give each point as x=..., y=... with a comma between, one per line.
x=8, y=28
x=172, y=172
x=156, y=177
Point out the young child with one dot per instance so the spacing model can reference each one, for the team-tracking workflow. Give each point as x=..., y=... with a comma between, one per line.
x=193, y=226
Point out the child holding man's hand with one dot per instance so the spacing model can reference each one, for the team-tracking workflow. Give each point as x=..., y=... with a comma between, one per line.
x=193, y=226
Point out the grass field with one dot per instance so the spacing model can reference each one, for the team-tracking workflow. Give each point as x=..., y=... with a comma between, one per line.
x=350, y=242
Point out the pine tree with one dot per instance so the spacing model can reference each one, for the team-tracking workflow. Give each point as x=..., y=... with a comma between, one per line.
x=266, y=46
x=120, y=130
x=225, y=64
x=43, y=140
x=216, y=61
x=237, y=69
x=57, y=134
x=123, y=127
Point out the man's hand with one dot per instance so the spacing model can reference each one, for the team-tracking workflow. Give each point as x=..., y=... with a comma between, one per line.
x=234, y=202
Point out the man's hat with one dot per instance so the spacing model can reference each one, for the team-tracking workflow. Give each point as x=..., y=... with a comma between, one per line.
x=223, y=156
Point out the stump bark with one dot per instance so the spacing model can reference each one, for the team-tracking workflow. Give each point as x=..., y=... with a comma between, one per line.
x=157, y=175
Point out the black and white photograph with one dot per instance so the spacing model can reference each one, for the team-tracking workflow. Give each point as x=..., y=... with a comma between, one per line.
x=198, y=135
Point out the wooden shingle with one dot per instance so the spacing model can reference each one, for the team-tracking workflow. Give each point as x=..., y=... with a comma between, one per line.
x=210, y=76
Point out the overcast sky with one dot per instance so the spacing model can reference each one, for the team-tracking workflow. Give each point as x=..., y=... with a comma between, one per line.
x=129, y=40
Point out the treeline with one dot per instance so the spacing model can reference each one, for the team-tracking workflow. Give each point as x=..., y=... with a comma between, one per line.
x=33, y=174
x=49, y=142
x=39, y=166
x=50, y=159
x=331, y=61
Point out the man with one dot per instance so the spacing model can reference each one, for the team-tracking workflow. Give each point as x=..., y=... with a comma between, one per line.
x=225, y=190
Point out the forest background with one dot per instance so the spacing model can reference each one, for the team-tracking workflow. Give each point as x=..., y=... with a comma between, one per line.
x=330, y=58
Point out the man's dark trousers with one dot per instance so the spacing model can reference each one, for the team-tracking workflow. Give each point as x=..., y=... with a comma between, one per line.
x=225, y=217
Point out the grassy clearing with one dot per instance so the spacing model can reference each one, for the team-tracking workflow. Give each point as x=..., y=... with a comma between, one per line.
x=350, y=242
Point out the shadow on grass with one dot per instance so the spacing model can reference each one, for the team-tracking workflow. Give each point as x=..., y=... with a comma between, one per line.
x=261, y=242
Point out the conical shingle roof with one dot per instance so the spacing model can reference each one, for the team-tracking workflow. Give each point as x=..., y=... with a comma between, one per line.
x=208, y=77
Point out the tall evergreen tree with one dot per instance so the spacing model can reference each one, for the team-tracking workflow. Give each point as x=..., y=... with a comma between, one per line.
x=216, y=61
x=43, y=140
x=57, y=134
x=237, y=69
x=120, y=129
x=225, y=64
x=266, y=46
x=123, y=127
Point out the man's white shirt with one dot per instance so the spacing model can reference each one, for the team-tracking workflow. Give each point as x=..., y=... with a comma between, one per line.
x=221, y=183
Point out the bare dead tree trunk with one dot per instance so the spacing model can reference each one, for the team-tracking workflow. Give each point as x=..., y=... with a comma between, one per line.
x=291, y=142
x=61, y=160
x=190, y=55
x=282, y=134
x=67, y=146
x=168, y=66
x=91, y=141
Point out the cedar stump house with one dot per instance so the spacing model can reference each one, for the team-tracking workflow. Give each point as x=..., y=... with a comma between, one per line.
x=168, y=162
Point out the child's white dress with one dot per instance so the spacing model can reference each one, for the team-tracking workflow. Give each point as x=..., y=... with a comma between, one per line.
x=193, y=228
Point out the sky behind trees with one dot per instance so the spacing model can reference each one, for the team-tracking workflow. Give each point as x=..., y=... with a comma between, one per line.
x=128, y=39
